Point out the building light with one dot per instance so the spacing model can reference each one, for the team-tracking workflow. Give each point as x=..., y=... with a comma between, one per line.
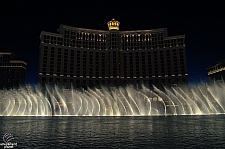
x=172, y=75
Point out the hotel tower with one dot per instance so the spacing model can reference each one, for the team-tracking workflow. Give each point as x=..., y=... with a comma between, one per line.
x=87, y=57
x=12, y=71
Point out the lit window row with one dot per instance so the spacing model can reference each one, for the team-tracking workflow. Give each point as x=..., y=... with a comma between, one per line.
x=173, y=75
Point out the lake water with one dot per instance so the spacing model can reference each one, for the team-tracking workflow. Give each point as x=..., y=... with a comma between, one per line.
x=205, y=131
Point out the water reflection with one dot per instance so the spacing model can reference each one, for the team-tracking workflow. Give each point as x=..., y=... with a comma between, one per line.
x=116, y=132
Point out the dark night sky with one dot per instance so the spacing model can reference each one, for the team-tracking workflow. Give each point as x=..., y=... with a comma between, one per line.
x=203, y=24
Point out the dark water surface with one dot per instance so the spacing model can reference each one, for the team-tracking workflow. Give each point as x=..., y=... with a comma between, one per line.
x=116, y=132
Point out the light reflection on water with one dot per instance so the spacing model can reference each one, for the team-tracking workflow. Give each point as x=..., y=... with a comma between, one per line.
x=116, y=132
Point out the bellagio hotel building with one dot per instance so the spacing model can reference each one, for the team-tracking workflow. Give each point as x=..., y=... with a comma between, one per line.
x=87, y=57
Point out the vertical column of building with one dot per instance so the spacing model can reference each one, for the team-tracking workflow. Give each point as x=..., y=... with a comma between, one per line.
x=61, y=66
x=96, y=70
x=81, y=67
x=132, y=65
x=160, y=64
x=69, y=67
x=163, y=66
x=137, y=69
x=100, y=67
x=121, y=65
x=146, y=80
x=171, y=66
x=47, y=62
x=55, y=65
x=40, y=74
x=76, y=66
x=87, y=76
x=167, y=65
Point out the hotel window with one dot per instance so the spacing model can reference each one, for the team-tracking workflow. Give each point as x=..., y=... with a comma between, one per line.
x=47, y=39
x=67, y=32
x=45, y=53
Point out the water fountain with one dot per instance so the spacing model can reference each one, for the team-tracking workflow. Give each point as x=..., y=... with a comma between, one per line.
x=114, y=101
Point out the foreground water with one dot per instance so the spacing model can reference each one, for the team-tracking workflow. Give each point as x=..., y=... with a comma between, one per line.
x=205, y=131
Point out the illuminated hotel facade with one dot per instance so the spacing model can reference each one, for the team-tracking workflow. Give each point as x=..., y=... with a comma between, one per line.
x=87, y=57
x=12, y=71
x=217, y=71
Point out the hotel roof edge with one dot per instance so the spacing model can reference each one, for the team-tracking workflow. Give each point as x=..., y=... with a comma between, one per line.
x=18, y=61
x=49, y=33
x=216, y=64
x=76, y=28
x=174, y=37
x=4, y=53
x=151, y=30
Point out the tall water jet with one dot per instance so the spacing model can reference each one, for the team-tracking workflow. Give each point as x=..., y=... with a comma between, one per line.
x=114, y=101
